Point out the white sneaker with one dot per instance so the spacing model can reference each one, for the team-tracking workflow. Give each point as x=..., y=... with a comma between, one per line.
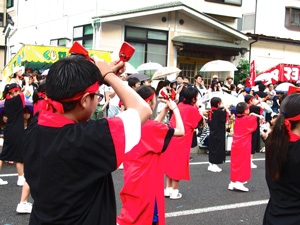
x=175, y=194
x=3, y=182
x=167, y=192
x=240, y=186
x=253, y=166
x=21, y=181
x=24, y=207
x=215, y=168
x=231, y=186
x=121, y=167
x=209, y=167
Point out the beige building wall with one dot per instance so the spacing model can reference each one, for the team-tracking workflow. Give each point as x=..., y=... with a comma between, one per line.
x=112, y=33
x=268, y=55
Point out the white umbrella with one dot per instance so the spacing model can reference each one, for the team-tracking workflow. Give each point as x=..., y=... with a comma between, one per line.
x=227, y=99
x=218, y=65
x=130, y=69
x=284, y=87
x=165, y=71
x=149, y=66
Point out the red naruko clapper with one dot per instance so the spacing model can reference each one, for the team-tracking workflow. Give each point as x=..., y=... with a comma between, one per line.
x=126, y=52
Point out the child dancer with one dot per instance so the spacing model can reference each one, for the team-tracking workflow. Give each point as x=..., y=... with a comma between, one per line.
x=250, y=100
x=39, y=95
x=216, y=121
x=240, y=165
x=14, y=129
x=3, y=120
x=176, y=159
x=142, y=193
x=69, y=158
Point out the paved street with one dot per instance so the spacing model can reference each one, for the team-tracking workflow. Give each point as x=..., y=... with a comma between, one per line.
x=206, y=199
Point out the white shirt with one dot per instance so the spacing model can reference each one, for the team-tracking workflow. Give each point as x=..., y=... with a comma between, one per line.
x=115, y=100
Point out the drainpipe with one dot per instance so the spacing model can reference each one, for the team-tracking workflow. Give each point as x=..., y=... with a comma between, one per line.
x=250, y=46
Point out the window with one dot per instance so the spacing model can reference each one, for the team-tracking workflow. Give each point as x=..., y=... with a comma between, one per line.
x=292, y=17
x=9, y=4
x=229, y=2
x=59, y=42
x=1, y=20
x=150, y=46
x=248, y=21
x=84, y=35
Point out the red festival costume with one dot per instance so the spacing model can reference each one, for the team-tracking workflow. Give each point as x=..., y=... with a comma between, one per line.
x=240, y=165
x=143, y=176
x=176, y=159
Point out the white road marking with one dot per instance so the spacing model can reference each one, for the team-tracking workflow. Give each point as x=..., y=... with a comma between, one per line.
x=191, y=163
x=227, y=161
x=8, y=175
x=216, y=208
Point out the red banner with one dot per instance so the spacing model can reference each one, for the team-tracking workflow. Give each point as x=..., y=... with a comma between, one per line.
x=252, y=74
x=282, y=72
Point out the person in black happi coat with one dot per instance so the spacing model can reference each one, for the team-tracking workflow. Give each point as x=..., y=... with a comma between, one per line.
x=14, y=128
x=69, y=158
x=283, y=166
x=216, y=121
x=249, y=99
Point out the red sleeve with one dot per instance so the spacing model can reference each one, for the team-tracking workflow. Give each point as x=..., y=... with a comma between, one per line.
x=23, y=99
x=158, y=136
x=117, y=131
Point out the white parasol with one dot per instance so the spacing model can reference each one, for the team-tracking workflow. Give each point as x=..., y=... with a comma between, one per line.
x=165, y=71
x=129, y=68
x=227, y=99
x=149, y=66
x=284, y=87
x=218, y=65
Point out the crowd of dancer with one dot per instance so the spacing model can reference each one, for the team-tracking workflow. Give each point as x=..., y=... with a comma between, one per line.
x=87, y=121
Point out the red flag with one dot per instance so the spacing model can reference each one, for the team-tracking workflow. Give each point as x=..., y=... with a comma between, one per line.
x=252, y=74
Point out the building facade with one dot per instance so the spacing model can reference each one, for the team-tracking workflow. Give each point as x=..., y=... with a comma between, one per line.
x=186, y=33
x=274, y=31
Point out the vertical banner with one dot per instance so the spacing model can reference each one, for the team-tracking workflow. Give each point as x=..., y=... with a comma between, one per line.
x=252, y=74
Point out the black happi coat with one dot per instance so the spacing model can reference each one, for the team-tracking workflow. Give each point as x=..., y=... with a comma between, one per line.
x=68, y=168
x=14, y=129
x=256, y=134
x=216, y=122
x=284, y=204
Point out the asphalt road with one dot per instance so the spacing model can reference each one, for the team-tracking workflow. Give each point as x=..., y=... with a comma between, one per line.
x=205, y=200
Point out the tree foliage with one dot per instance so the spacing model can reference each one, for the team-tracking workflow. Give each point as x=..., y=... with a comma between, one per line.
x=243, y=71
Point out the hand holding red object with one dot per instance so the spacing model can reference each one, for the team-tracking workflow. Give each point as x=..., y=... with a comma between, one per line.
x=126, y=52
x=77, y=49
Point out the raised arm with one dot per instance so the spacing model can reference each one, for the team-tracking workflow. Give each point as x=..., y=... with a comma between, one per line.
x=179, y=129
x=127, y=95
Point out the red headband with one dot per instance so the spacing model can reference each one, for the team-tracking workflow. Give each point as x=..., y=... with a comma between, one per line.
x=244, y=111
x=50, y=104
x=149, y=98
x=288, y=126
x=42, y=94
x=14, y=89
x=250, y=99
x=91, y=89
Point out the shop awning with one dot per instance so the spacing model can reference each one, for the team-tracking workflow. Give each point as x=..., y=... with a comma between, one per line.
x=181, y=40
